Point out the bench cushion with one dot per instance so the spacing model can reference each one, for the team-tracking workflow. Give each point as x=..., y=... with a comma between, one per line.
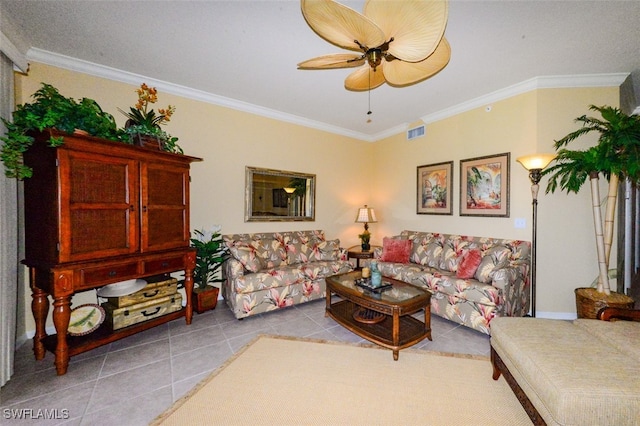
x=571, y=376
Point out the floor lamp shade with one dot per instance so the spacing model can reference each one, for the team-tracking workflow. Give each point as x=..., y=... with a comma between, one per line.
x=535, y=164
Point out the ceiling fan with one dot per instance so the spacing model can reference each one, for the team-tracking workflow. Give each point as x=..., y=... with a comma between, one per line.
x=400, y=42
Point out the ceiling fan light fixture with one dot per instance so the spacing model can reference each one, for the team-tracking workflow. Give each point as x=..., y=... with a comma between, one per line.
x=374, y=57
x=416, y=29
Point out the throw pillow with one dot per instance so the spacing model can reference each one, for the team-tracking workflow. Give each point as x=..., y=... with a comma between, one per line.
x=328, y=250
x=469, y=262
x=394, y=250
x=494, y=258
x=246, y=254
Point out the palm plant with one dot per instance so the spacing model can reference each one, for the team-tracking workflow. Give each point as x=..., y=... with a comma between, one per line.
x=210, y=255
x=617, y=155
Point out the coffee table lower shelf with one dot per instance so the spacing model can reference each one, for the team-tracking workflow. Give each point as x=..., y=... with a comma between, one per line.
x=411, y=330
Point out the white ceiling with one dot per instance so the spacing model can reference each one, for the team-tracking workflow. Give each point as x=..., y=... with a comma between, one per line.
x=244, y=53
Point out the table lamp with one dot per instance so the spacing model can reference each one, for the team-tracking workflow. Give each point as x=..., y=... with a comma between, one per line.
x=366, y=215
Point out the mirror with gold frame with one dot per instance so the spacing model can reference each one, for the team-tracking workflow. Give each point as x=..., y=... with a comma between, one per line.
x=279, y=196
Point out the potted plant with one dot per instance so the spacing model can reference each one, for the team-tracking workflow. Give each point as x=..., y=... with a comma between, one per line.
x=210, y=254
x=52, y=110
x=615, y=156
x=143, y=124
x=365, y=237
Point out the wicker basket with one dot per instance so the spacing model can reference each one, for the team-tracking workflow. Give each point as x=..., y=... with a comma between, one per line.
x=589, y=301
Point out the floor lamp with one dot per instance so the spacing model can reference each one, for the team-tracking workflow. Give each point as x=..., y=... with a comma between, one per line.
x=534, y=164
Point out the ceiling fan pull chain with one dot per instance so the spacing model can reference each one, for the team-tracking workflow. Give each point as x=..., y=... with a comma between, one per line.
x=369, y=112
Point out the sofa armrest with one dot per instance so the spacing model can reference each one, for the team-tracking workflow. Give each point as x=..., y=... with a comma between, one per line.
x=608, y=314
x=506, y=277
x=377, y=253
x=343, y=254
x=233, y=269
x=512, y=283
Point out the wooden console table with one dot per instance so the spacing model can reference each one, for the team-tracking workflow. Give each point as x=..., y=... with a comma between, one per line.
x=99, y=212
x=63, y=281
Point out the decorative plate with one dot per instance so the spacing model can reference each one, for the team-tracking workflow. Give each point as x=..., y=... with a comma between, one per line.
x=122, y=288
x=85, y=319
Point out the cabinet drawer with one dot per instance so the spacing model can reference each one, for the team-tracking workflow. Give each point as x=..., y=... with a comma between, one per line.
x=168, y=264
x=113, y=273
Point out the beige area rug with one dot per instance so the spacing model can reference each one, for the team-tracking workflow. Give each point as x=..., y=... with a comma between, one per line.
x=289, y=381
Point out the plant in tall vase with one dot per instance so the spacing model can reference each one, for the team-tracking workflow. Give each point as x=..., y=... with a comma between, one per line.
x=210, y=255
x=615, y=156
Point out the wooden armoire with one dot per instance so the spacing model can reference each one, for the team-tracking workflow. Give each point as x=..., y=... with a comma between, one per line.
x=99, y=212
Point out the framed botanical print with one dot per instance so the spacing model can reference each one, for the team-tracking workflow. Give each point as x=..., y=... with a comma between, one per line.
x=434, y=188
x=484, y=186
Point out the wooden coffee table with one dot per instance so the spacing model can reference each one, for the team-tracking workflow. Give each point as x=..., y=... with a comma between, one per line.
x=385, y=318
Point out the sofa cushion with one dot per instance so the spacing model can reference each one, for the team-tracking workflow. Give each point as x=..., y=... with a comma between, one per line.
x=321, y=269
x=395, y=250
x=468, y=263
x=271, y=251
x=453, y=247
x=247, y=255
x=303, y=251
x=493, y=258
x=326, y=250
x=271, y=278
x=426, y=249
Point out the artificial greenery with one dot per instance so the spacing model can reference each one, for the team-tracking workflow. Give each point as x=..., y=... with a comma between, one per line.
x=365, y=237
x=617, y=151
x=141, y=120
x=167, y=142
x=51, y=110
x=210, y=255
x=615, y=156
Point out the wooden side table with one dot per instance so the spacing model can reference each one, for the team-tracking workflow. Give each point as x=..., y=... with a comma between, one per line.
x=357, y=253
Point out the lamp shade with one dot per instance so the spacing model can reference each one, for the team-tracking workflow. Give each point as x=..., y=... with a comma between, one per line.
x=536, y=161
x=366, y=215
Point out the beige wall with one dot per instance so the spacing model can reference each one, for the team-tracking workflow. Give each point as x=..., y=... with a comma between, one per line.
x=351, y=173
x=229, y=140
x=521, y=125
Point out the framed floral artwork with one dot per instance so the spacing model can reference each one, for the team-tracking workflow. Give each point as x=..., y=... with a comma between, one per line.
x=484, y=186
x=434, y=188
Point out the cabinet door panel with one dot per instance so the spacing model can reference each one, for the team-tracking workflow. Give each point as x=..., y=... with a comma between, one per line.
x=165, y=201
x=99, y=207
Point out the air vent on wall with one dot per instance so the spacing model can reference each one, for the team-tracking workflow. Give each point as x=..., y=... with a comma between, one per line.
x=416, y=132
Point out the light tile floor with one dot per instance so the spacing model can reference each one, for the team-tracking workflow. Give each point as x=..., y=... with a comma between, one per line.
x=133, y=380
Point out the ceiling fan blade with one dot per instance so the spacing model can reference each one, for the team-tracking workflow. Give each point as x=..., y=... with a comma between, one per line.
x=339, y=60
x=399, y=73
x=341, y=25
x=363, y=79
x=416, y=26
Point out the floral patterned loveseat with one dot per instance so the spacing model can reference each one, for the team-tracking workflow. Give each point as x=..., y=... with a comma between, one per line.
x=269, y=271
x=495, y=284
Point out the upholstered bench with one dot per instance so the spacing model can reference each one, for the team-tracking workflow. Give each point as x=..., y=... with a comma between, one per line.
x=585, y=372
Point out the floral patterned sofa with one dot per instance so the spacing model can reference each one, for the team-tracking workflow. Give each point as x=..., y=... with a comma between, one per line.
x=473, y=279
x=269, y=271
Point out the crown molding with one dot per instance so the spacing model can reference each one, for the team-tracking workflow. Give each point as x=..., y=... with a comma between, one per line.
x=90, y=68
x=543, y=82
x=13, y=53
